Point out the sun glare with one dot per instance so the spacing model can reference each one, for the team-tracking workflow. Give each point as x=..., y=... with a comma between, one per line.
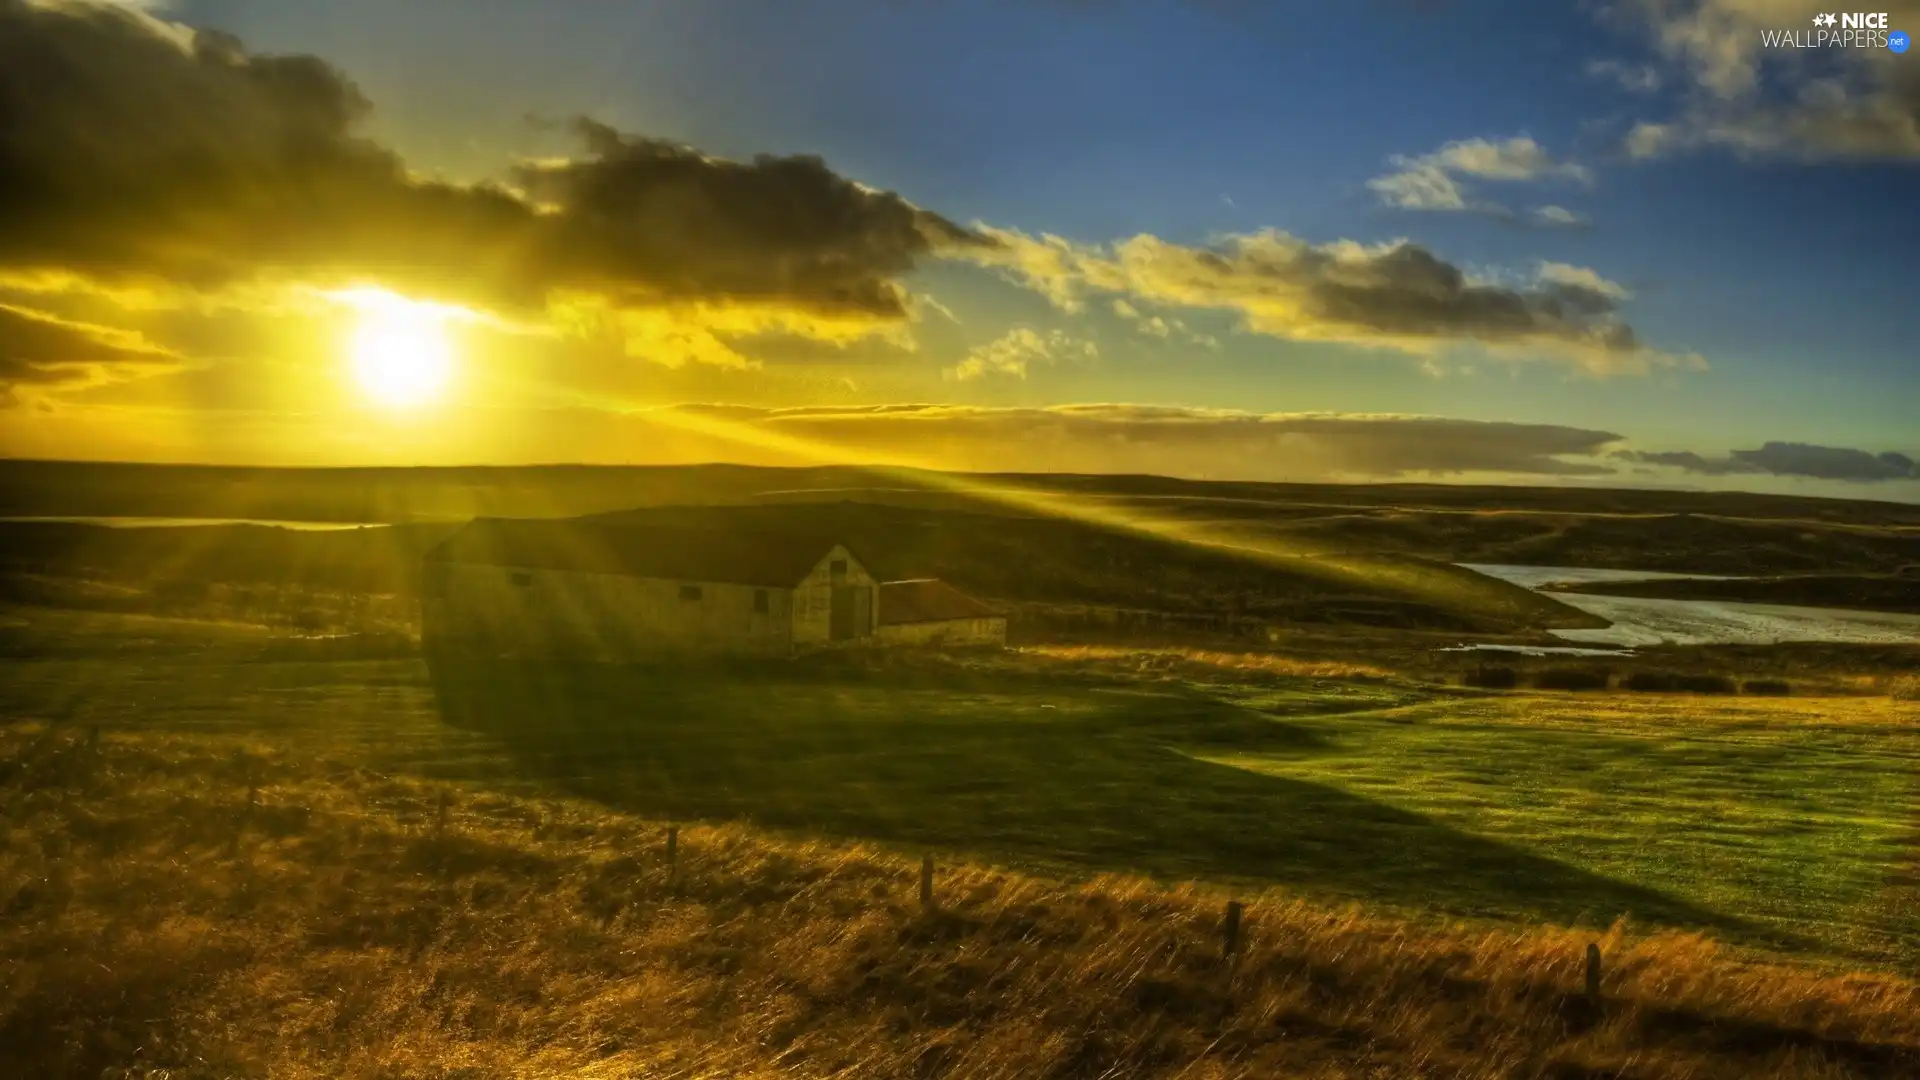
x=401, y=351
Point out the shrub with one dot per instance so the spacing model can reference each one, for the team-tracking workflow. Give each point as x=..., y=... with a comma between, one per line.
x=1766, y=687
x=1674, y=682
x=1905, y=688
x=1492, y=678
x=1573, y=679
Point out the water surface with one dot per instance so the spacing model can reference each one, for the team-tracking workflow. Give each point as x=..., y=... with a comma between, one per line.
x=1639, y=621
x=122, y=522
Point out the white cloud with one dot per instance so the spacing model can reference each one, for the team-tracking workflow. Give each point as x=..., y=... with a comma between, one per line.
x=1557, y=216
x=1581, y=277
x=1431, y=181
x=1015, y=351
x=1635, y=78
x=1162, y=327
x=1419, y=187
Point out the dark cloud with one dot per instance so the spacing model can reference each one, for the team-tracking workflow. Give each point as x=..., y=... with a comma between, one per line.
x=1397, y=295
x=1827, y=462
x=1160, y=439
x=133, y=151
x=40, y=349
x=1787, y=459
x=1684, y=459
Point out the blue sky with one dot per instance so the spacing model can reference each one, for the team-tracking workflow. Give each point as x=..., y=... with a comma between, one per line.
x=1781, y=255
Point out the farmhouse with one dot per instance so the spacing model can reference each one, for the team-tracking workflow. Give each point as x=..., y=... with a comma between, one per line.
x=929, y=612
x=608, y=590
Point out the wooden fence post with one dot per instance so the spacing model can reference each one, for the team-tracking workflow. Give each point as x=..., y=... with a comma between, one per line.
x=1230, y=929
x=926, y=883
x=673, y=850
x=246, y=811
x=1593, y=973
x=93, y=738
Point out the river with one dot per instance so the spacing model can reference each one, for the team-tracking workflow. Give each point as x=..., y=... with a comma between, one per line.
x=1639, y=621
x=118, y=522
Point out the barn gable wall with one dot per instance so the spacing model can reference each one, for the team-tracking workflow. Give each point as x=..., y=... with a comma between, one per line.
x=813, y=598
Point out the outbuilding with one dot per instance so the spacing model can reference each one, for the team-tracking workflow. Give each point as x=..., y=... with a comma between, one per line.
x=927, y=611
x=610, y=590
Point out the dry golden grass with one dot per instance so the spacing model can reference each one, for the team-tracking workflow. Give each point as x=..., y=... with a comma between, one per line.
x=1199, y=661
x=1904, y=688
x=155, y=926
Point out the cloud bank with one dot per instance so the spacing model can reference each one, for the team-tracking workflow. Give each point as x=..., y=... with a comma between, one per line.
x=1787, y=459
x=1123, y=438
x=137, y=155
x=1397, y=296
x=141, y=159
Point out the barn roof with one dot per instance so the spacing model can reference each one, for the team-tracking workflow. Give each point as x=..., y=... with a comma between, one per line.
x=927, y=600
x=683, y=553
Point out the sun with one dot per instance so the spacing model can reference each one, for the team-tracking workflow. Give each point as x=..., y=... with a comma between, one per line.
x=401, y=350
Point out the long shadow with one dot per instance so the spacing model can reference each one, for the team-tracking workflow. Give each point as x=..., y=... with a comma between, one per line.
x=1020, y=770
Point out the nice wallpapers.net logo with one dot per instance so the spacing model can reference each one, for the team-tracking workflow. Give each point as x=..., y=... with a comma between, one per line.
x=1844, y=30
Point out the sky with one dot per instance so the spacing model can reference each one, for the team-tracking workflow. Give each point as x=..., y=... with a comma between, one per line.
x=1621, y=242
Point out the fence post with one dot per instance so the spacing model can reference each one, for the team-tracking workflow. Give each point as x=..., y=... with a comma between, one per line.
x=926, y=883
x=673, y=851
x=440, y=823
x=93, y=738
x=1593, y=973
x=1230, y=929
x=246, y=811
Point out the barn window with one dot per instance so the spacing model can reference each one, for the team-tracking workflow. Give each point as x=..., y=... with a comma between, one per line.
x=523, y=580
x=760, y=601
x=838, y=568
x=689, y=592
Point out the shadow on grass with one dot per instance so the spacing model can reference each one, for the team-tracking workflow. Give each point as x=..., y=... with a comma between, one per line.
x=1020, y=770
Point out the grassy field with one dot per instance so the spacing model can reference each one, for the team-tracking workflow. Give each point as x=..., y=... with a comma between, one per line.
x=1406, y=851
x=161, y=927
x=1771, y=822
x=1801, y=818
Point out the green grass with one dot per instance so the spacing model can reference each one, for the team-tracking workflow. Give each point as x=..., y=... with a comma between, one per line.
x=1770, y=822
x=1801, y=817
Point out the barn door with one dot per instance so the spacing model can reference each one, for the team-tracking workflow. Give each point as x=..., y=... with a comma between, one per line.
x=840, y=626
x=852, y=614
x=862, y=610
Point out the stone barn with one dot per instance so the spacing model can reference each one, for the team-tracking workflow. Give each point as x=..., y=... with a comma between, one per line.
x=608, y=591
x=930, y=612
